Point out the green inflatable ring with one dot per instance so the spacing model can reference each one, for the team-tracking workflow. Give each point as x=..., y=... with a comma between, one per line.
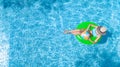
x=84, y=25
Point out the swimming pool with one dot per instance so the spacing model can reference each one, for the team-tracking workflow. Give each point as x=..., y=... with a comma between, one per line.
x=31, y=33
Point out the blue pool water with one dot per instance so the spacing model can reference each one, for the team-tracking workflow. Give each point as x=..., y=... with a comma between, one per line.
x=31, y=33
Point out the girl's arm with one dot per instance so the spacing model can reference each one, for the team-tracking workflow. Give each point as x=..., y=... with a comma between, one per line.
x=91, y=41
x=95, y=39
x=90, y=25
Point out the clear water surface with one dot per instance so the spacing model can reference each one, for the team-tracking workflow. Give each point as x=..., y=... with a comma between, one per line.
x=31, y=33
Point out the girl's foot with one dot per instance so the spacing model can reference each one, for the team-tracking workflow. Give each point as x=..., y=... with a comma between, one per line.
x=67, y=32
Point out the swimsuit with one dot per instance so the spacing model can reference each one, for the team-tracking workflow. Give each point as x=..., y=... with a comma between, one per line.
x=94, y=33
x=87, y=34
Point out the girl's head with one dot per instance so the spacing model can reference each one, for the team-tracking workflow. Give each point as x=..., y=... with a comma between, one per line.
x=101, y=30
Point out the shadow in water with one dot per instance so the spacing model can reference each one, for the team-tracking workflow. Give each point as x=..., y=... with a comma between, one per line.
x=105, y=37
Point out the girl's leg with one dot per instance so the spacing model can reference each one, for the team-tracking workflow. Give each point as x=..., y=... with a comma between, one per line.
x=67, y=32
x=75, y=32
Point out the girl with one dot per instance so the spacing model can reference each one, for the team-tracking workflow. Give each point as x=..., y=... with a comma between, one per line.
x=98, y=31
